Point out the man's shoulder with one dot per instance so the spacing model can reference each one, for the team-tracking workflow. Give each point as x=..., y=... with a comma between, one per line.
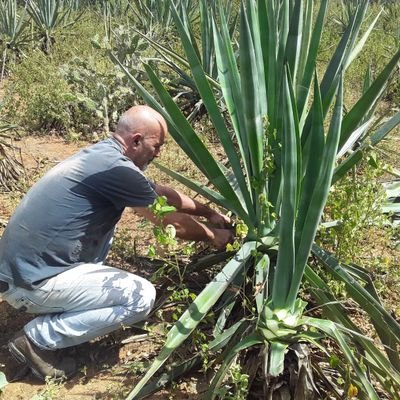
x=107, y=146
x=105, y=161
x=103, y=155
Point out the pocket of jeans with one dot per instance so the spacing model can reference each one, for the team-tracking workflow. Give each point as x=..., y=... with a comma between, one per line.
x=30, y=306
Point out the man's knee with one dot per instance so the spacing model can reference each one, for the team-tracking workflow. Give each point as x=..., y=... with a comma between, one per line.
x=141, y=296
x=148, y=297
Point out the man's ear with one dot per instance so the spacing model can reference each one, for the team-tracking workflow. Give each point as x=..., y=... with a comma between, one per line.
x=136, y=138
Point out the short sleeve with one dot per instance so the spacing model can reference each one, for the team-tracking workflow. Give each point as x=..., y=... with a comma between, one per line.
x=124, y=186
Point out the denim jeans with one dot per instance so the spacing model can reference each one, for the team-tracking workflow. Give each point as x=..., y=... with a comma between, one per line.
x=82, y=303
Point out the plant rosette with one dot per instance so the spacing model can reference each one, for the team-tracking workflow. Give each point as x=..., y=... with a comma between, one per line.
x=281, y=325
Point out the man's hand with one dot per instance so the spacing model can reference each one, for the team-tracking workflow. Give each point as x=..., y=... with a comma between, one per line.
x=219, y=220
x=221, y=238
x=187, y=205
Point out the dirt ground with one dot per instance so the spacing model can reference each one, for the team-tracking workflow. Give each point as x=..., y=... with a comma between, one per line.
x=108, y=364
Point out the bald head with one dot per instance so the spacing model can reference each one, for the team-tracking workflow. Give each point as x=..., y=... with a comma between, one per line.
x=140, y=118
x=141, y=131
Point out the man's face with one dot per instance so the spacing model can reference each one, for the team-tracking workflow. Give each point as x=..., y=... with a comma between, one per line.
x=148, y=148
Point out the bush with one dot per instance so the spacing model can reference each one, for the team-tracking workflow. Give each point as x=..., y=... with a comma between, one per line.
x=356, y=204
x=40, y=97
x=87, y=92
x=37, y=96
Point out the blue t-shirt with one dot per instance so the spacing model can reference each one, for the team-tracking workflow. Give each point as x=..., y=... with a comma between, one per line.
x=68, y=217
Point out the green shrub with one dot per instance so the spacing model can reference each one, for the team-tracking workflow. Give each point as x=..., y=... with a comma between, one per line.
x=76, y=42
x=356, y=204
x=102, y=92
x=37, y=96
x=83, y=96
x=87, y=92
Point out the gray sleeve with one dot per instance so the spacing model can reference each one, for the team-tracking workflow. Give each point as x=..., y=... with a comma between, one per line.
x=124, y=186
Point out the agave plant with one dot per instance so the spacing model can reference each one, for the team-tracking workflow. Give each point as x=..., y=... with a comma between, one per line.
x=11, y=168
x=345, y=10
x=12, y=29
x=75, y=5
x=110, y=10
x=153, y=14
x=391, y=19
x=282, y=163
x=184, y=87
x=49, y=15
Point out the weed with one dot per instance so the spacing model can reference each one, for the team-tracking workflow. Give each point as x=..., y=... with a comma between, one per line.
x=115, y=391
x=165, y=235
x=137, y=367
x=122, y=246
x=50, y=392
x=181, y=296
x=83, y=370
x=236, y=385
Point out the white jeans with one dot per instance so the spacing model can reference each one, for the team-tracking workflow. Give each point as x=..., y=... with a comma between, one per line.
x=82, y=303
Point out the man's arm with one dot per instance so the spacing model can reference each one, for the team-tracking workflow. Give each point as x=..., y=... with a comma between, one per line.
x=188, y=228
x=187, y=205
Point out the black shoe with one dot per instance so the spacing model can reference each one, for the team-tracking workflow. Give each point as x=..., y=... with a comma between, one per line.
x=43, y=363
